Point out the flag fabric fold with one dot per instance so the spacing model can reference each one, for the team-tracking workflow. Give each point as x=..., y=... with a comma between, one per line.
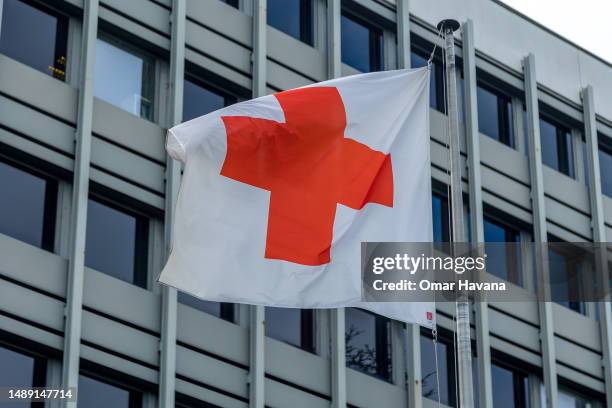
x=279, y=192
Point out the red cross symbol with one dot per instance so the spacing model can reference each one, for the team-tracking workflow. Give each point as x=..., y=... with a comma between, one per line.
x=309, y=167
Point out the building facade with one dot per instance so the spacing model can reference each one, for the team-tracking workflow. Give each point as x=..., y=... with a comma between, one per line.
x=87, y=89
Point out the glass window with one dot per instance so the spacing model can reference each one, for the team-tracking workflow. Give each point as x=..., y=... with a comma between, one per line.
x=495, y=115
x=605, y=168
x=293, y=17
x=557, y=147
x=35, y=36
x=199, y=99
x=116, y=242
x=565, y=278
x=221, y=310
x=441, y=226
x=94, y=393
x=233, y=3
x=509, y=387
x=361, y=44
x=368, y=346
x=571, y=399
x=28, y=205
x=418, y=60
x=21, y=370
x=503, y=261
x=428, y=371
x=124, y=77
x=292, y=326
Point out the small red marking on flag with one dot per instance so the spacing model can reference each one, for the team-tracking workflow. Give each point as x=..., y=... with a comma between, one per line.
x=429, y=316
x=309, y=167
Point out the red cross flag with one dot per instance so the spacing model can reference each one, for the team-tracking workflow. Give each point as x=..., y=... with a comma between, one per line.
x=279, y=192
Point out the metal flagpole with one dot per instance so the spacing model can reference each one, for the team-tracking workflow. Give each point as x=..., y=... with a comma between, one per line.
x=464, y=349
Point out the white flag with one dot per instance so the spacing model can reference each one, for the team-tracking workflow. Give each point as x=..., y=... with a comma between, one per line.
x=279, y=192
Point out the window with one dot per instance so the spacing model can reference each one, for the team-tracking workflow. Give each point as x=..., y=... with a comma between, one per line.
x=199, y=99
x=233, y=3
x=293, y=17
x=556, y=143
x=292, y=326
x=441, y=227
x=116, y=242
x=503, y=261
x=124, y=77
x=361, y=44
x=35, y=35
x=566, y=272
x=495, y=114
x=368, y=347
x=21, y=370
x=568, y=398
x=428, y=370
x=436, y=98
x=93, y=393
x=510, y=388
x=28, y=204
x=221, y=310
x=605, y=165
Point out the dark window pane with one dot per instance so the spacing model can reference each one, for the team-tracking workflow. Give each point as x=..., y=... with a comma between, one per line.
x=27, y=206
x=503, y=260
x=367, y=343
x=556, y=147
x=20, y=370
x=233, y=3
x=124, y=78
x=223, y=310
x=428, y=370
x=199, y=100
x=361, y=45
x=293, y=17
x=605, y=169
x=292, y=326
x=418, y=61
x=34, y=36
x=440, y=218
x=97, y=394
x=565, y=276
x=502, y=380
x=116, y=243
x=495, y=115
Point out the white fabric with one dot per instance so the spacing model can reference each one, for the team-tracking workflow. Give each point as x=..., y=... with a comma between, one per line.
x=220, y=223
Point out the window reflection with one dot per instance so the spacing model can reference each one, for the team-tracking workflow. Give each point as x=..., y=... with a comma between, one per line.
x=116, y=242
x=93, y=393
x=367, y=339
x=35, y=35
x=293, y=17
x=509, y=387
x=18, y=369
x=28, y=205
x=221, y=310
x=361, y=44
x=200, y=99
x=503, y=261
x=495, y=115
x=124, y=77
x=557, y=147
x=605, y=167
x=566, y=274
x=292, y=326
x=441, y=227
x=428, y=370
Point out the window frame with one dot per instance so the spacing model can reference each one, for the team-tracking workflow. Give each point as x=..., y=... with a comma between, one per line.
x=61, y=37
x=142, y=233
x=376, y=48
x=519, y=377
x=563, y=128
x=604, y=145
x=306, y=21
x=384, y=361
x=136, y=395
x=39, y=371
x=510, y=229
x=229, y=98
x=132, y=47
x=50, y=203
x=505, y=123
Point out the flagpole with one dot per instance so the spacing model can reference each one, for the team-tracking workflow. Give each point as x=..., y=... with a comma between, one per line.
x=464, y=347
